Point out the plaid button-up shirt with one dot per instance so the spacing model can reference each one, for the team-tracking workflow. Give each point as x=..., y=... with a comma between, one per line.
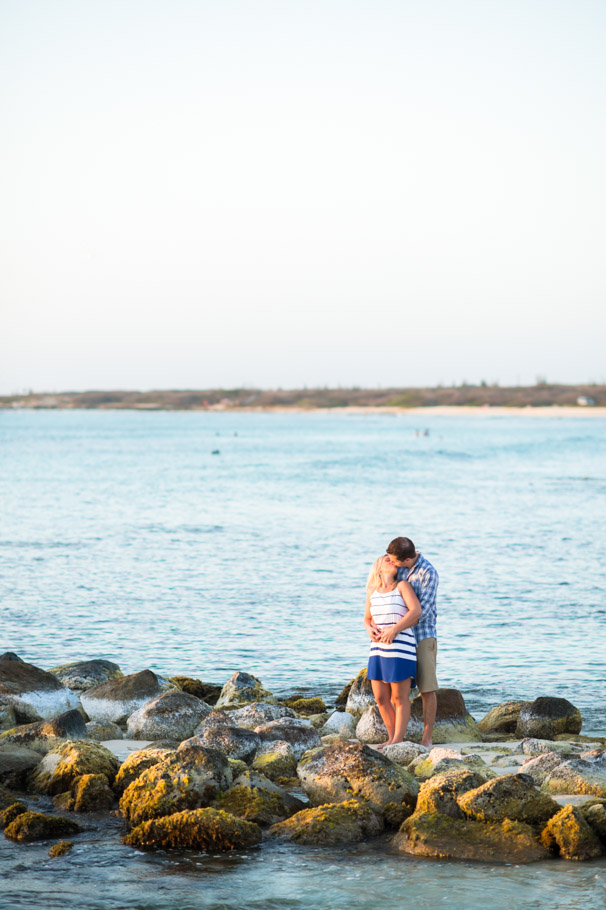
x=424, y=580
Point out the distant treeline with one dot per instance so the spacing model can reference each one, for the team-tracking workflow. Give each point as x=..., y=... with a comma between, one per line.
x=540, y=395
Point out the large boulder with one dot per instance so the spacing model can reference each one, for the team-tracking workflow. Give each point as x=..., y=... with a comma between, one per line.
x=453, y=723
x=15, y=763
x=45, y=735
x=569, y=832
x=117, y=699
x=255, y=798
x=307, y=707
x=370, y=728
x=199, y=829
x=173, y=715
x=342, y=723
x=337, y=772
x=241, y=689
x=217, y=732
x=137, y=762
x=256, y=713
x=277, y=761
x=334, y=823
x=585, y=774
x=60, y=767
x=89, y=793
x=511, y=796
x=191, y=779
x=439, y=795
x=31, y=826
x=81, y=675
x=501, y=720
x=545, y=717
x=360, y=695
x=443, y=837
x=300, y=734
x=405, y=753
x=33, y=693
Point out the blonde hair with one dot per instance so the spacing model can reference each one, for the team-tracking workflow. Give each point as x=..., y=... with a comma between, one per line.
x=374, y=576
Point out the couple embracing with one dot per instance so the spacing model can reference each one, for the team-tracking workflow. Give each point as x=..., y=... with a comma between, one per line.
x=400, y=618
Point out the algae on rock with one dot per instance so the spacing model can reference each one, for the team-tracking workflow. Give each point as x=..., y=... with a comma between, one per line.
x=333, y=823
x=197, y=829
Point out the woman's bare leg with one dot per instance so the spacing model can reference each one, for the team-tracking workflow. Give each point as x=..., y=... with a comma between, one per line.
x=382, y=693
x=400, y=698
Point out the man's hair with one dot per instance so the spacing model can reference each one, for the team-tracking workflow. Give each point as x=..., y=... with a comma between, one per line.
x=402, y=548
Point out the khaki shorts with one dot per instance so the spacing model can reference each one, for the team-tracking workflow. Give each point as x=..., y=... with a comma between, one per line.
x=427, y=651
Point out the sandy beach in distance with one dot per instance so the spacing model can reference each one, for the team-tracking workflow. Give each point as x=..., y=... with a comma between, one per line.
x=444, y=411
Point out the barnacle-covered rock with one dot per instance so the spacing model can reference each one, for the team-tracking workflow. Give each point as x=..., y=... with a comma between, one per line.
x=439, y=794
x=585, y=774
x=137, y=762
x=300, y=734
x=370, y=728
x=257, y=713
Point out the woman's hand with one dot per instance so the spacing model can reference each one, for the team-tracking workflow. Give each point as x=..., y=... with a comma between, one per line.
x=388, y=635
x=373, y=631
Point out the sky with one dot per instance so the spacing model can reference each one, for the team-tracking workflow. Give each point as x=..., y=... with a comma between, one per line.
x=279, y=193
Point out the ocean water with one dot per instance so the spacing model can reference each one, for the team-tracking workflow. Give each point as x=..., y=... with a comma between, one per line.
x=203, y=543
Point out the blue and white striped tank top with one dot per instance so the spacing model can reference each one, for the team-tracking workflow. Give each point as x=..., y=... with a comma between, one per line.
x=386, y=610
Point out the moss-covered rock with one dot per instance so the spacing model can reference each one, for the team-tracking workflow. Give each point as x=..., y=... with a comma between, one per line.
x=45, y=735
x=61, y=766
x=92, y=793
x=255, y=798
x=31, y=826
x=441, y=760
x=453, y=723
x=217, y=732
x=336, y=773
x=585, y=774
x=569, y=832
x=334, y=823
x=305, y=706
x=503, y=719
x=207, y=692
x=191, y=779
x=594, y=814
x=277, y=761
x=199, y=829
x=241, y=689
x=444, y=837
x=11, y=812
x=174, y=715
x=511, y=796
x=439, y=794
x=137, y=763
x=546, y=716
x=60, y=849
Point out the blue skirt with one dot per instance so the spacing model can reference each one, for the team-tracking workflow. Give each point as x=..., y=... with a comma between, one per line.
x=392, y=669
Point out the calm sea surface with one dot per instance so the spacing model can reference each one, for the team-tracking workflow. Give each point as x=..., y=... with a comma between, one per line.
x=203, y=543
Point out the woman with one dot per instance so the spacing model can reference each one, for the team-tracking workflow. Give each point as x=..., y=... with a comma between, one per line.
x=391, y=609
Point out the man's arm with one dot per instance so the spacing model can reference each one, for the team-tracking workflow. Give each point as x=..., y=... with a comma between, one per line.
x=428, y=591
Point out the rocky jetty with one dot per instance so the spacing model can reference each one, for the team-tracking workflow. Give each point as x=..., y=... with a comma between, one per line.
x=522, y=785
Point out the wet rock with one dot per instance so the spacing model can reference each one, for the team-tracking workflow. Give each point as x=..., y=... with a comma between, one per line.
x=11, y=812
x=235, y=742
x=60, y=849
x=137, y=763
x=503, y=719
x=277, y=761
x=443, y=837
x=172, y=715
x=92, y=793
x=511, y=796
x=255, y=798
x=545, y=717
x=342, y=723
x=334, y=823
x=570, y=833
x=45, y=735
x=32, y=693
x=81, y=675
x=7, y=798
x=15, y=763
x=301, y=735
x=31, y=826
x=241, y=689
x=60, y=767
x=117, y=699
x=253, y=715
x=191, y=779
x=199, y=829
x=101, y=731
x=405, y=753
x=206, y=692
x=305, y=706
x=360, y=694
x=541, y=766
x=453, y=721
x=584, y=774
x=8, y=718
x=440, y=794
x=594, y=814
x=370, y=728
x=336, y=773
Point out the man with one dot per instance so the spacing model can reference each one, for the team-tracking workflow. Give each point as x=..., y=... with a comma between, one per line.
x=414, y=568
